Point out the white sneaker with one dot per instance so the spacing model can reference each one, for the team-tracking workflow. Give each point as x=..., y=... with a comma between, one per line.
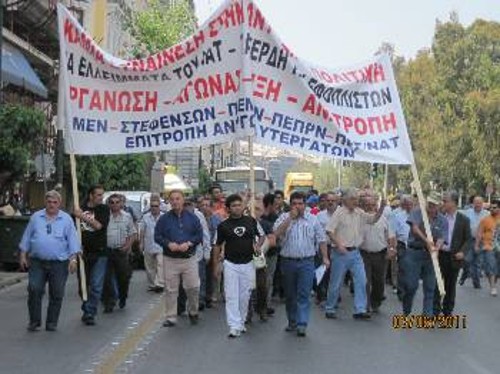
x=243, y=330
x=493, y=291
x=233, y=333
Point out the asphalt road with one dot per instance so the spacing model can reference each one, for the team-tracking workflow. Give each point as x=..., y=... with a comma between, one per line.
x=133, y=341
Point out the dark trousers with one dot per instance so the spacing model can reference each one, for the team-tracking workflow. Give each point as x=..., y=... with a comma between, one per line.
x=278, y=284
x=261, y=291
x=401, y=251
x=375, y=267
x=55, y=273
x=321, y=289
x=118, y=274
x=472, y=266
x=209, y=279
x=450, y=276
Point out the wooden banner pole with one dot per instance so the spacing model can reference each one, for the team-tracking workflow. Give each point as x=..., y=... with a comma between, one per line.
x=428, y=232
x=252, y=175
x=386, y=180
x=76, y=204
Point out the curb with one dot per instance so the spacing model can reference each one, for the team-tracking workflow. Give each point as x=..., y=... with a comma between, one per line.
x=11, y=280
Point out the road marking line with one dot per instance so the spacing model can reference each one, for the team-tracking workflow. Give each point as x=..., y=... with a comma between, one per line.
x=111, y=362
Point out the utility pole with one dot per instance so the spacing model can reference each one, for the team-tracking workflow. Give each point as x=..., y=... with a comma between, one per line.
x=1, y=51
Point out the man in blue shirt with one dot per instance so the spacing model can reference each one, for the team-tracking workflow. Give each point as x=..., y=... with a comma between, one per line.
x=417, y=262
x=400, y=231
x=471, y=267
x=213, y=221
x=178, y=232
x=48, y=249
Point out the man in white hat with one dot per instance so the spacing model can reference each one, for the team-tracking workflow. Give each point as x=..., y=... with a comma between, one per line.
x=417, y=262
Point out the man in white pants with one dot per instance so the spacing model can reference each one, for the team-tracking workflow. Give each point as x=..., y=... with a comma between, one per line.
x=238, y=234
x=153, y=253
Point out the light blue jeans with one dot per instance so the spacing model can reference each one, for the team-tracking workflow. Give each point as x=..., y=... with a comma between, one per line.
x=352, y=261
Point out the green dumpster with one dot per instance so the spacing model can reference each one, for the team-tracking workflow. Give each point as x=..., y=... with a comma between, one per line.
x=11, y=231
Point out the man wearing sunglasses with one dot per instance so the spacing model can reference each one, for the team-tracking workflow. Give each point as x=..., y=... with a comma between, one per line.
x=48, y=249
x=120, y=235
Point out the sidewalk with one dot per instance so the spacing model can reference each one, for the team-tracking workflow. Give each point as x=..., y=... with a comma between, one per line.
x=9, y=278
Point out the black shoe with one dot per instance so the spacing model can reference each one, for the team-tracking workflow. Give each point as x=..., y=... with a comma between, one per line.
x=291, y=327
x=461, y=281
x=158, y=289
x=331, y=315
x=270, y=311
x=151, y=289
x=477, y=286
x=193, y=318
x=51, y=327
x=201, y=307
x=122, y=303
x=209, y=304
x=168, y=323
x=108, y=309
x=90, y=321
x=85, y=317
x=34, y=326
x=301, y=331
x=248, y=321
x=363, y=316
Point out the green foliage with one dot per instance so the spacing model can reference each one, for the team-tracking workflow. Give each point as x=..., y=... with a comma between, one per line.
x=204, y=181
x=120, y=172
x=20, y=130
x=160, y=26
x=154, y=29
x=451, y=99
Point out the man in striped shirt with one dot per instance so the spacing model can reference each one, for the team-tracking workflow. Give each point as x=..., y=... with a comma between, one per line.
x=300, y=235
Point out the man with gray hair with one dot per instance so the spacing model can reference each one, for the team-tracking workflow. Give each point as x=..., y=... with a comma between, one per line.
x=345, y=229
x=374, y=251
x=417, y=262
x=472, y=267
x=399, y=233
x=452, y=254
x=153, y=253
x=48, y=249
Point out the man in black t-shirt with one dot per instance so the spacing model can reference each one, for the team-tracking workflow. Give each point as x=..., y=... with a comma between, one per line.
x=94, y=219
x=267, y=221
x=237, y=235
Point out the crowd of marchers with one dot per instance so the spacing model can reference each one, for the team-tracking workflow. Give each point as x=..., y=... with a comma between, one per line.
x=249, y=253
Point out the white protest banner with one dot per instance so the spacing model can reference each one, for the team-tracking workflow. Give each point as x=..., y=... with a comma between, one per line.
x=231, y=79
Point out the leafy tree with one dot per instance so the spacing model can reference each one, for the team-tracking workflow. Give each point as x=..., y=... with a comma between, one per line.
x=451, y=99
x=158, y=27
x=21, y=129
